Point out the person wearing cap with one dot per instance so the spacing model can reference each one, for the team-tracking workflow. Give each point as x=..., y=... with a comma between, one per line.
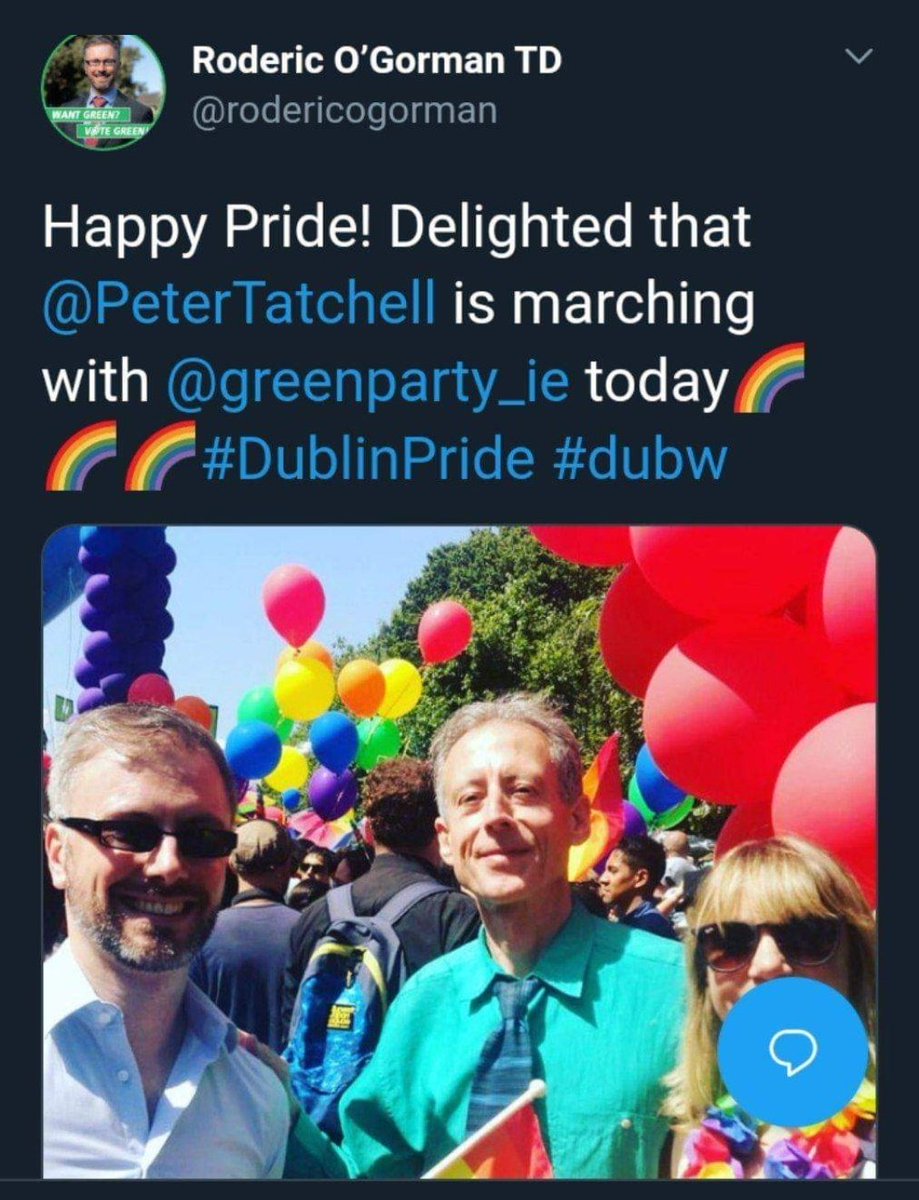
x=144, y=1077
x=241, y=966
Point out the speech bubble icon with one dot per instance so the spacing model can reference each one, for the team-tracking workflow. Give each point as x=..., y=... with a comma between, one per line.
x=797, y=1057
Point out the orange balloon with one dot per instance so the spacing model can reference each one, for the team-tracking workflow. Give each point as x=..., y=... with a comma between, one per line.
x=361, y=686
x=196, y=709
x=310, y=649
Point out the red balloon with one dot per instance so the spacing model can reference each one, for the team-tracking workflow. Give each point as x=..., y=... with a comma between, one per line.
x=195, y=709
x=729, y=701
x=637, y=628
x=589, y=545
x=294, y=602
x=730, y=570
x=747, y=823
x=151, y=689
x=826, y=792
x=444, y=631
x=842, y=612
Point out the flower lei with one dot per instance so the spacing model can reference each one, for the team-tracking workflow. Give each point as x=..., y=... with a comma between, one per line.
x=729, y=1137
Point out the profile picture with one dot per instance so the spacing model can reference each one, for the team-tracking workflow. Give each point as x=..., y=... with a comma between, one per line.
x=103, y=91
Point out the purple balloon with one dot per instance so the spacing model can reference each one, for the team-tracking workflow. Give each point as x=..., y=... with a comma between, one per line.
x=164, y=560
x=152, y=596
x=104, y=593
x=126, y=627
x=635, y=824
x=104, y=540
x=147, y=540
x=92, y=564
x=91, y=618
x=160, y=626
x=86, y=675
x=331, y=795
x=103, y=651
x=129, y=568
x=115, y=686
x=147, y=656
x=90, y=698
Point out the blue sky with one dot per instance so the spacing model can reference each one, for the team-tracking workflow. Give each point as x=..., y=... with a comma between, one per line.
x=223, y=644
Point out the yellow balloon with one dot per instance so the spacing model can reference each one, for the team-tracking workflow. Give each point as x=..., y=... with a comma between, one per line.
x=291, y=771
x=581, y=858
x=304, y=690
x=403, y=688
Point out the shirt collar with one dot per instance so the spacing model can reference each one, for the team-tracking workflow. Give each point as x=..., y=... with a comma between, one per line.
x=67, y=990
x=562, y=966
x=109, y=96
x=212, y=1027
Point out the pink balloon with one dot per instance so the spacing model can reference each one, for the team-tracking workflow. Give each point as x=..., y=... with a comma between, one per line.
x=729, y=701
x=730, y=570
x=637, y=628
x=151, y=689
x=294, y=602
x=444, y=631
x=842, y=612
x=747, y=823
x=589, y=545
x=826, y=792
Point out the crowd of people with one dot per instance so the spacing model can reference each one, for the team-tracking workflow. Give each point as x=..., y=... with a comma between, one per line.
x=170, y=1003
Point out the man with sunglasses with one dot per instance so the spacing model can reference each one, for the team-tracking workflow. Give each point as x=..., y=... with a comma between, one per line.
x=143, y=1076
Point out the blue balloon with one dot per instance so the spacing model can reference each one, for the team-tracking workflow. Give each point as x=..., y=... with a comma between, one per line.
x=253, y=749
x=657, y=791
x=334, y=740
x=291, y=799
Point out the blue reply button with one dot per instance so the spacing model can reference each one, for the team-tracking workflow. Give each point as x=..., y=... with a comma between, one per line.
x=793, y=1052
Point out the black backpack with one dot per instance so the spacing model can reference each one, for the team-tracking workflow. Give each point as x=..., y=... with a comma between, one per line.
x=350, y=980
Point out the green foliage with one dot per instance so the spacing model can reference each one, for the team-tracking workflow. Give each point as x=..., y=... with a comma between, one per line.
x=65, y=79
x=536, y=620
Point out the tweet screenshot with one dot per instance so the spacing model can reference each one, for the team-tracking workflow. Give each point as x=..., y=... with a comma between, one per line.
x=464, y=488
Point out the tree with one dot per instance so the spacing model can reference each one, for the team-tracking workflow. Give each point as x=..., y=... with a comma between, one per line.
x=65, y=78
x=536, y=622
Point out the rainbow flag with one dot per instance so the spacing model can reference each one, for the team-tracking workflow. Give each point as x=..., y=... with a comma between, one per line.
x=510, y=1146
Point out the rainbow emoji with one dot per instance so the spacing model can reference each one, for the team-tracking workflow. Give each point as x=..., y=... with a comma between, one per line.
x=158, y=455
x=769, y=375
x=79, y=454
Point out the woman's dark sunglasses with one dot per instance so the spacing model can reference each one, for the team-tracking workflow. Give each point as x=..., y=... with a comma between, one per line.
x=140, y=837
x=803, y=942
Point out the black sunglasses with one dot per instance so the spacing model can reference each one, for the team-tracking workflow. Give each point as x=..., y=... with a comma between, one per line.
x=803, y=942
x=140, y=837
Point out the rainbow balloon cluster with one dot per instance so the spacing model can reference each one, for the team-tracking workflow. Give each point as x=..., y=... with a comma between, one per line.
x=754, y=649
x=373, y=696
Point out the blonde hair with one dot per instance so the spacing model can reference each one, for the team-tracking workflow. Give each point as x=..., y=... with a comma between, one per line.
x=777, y=879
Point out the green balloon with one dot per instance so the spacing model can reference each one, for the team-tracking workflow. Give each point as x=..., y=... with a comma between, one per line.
x=674, y=815
x=378, y=739
x=284, y=728
x=259, y=704
x=638, y=800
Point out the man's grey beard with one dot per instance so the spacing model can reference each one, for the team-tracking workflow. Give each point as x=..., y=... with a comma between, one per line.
x=106, y=933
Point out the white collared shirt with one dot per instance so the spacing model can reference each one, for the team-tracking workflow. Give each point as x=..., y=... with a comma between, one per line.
x=222, y=1114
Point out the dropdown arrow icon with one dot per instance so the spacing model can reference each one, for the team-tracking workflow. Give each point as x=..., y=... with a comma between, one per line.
x=858, y=59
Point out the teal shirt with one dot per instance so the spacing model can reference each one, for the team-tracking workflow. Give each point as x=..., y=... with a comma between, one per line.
x=605, y=1030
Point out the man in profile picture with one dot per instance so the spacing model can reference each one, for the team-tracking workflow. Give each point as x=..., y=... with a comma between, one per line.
x=101, y=64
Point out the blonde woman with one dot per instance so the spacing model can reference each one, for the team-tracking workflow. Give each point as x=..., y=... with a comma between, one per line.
x=769, y=909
